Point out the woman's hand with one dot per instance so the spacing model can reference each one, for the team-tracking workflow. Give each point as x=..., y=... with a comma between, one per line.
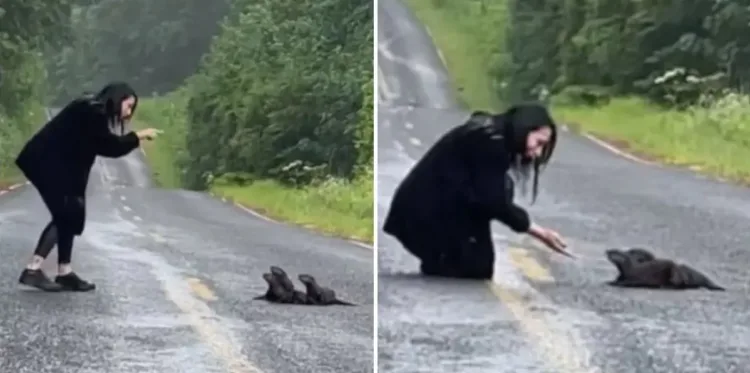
x=148, y=133
x=550, y=238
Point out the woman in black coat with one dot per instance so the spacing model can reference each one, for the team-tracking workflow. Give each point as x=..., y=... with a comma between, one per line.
x=441, y=211
x=57, y=160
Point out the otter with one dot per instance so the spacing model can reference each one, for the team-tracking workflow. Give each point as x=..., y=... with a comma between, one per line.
x=637, y=255
x=282, y=278
x=286, y=283
x=276, y=292
x=640, y=255
x=320, y=295
x=636, y=270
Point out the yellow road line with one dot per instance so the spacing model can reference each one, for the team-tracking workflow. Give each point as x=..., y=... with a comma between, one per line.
x=205, y=322
x=524, y=261
x=200, y=289
x=190, y=296
x=558, y=351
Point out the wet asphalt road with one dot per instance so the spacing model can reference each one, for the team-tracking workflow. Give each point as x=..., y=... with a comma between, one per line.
x=176, y=272
x=543, y=313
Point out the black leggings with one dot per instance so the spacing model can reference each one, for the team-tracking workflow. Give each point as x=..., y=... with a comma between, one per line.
x=52, y=235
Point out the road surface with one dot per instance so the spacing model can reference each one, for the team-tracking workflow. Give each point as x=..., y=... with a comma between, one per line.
x=544, y=313
x=176, y=272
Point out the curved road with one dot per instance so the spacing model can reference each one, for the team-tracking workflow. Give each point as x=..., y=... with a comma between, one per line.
x=543, y=313
x=176, y=272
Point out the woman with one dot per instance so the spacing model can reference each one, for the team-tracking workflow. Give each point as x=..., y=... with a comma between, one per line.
x=58, y=160
x=441, y=211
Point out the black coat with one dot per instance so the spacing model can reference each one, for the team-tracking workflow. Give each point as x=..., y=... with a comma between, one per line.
x=57, y=160
x=460, y=185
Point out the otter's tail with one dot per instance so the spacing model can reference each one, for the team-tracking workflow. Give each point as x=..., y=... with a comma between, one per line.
x=342, y=303
x=710, y=285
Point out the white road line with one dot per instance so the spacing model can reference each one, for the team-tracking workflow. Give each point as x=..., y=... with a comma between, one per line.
x=266, y=218
x=12, y=188
x=619, y=152
x=415, y=141
x=256, y=214
x=439, y=52
x=360, y=244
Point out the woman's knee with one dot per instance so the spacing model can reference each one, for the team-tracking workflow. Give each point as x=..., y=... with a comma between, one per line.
x=478, y=259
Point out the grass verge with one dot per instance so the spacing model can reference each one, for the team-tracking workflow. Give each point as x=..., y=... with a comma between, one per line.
x=167, y=114
x=468, y=39
x=714, y=140
x=335, y=207
x=7, y=181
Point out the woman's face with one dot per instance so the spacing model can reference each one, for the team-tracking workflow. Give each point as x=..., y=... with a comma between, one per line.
x=126, y=110
x=536, y=141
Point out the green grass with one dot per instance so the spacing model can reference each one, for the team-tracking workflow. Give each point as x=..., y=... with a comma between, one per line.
x=10, y=178
x=167, y=114
x=468, y=39
x=714, y=140
x=335, y=207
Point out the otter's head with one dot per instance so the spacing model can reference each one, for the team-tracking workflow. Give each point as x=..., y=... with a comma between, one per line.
x=277, y=271
x=306, y=279
x=619, y=258
x=638, y=255
x=268, y=278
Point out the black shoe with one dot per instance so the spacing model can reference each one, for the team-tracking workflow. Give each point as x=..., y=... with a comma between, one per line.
x=37, y=279
x=72, y=282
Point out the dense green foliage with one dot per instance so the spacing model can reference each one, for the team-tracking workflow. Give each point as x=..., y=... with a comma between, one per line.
x=586, y=51
x=629, y=72
x=279, y=93
x=273, y=88
x=284, y=93
x=245, y=89
x=670, y=51
x=58, y=49
x=25, y=28
x=365, y=143
x=152, y=44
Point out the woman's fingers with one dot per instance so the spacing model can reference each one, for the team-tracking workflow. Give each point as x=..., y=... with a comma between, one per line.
x=560, y=246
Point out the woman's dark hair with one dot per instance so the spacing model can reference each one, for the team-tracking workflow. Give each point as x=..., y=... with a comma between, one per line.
x=520, y=121
x=110, y=98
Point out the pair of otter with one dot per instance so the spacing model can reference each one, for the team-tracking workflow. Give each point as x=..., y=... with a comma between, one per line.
x=281, y=290
x=639, y=268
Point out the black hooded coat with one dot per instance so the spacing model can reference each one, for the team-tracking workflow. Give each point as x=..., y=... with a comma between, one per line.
x=441, y=212
x=58, y=159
